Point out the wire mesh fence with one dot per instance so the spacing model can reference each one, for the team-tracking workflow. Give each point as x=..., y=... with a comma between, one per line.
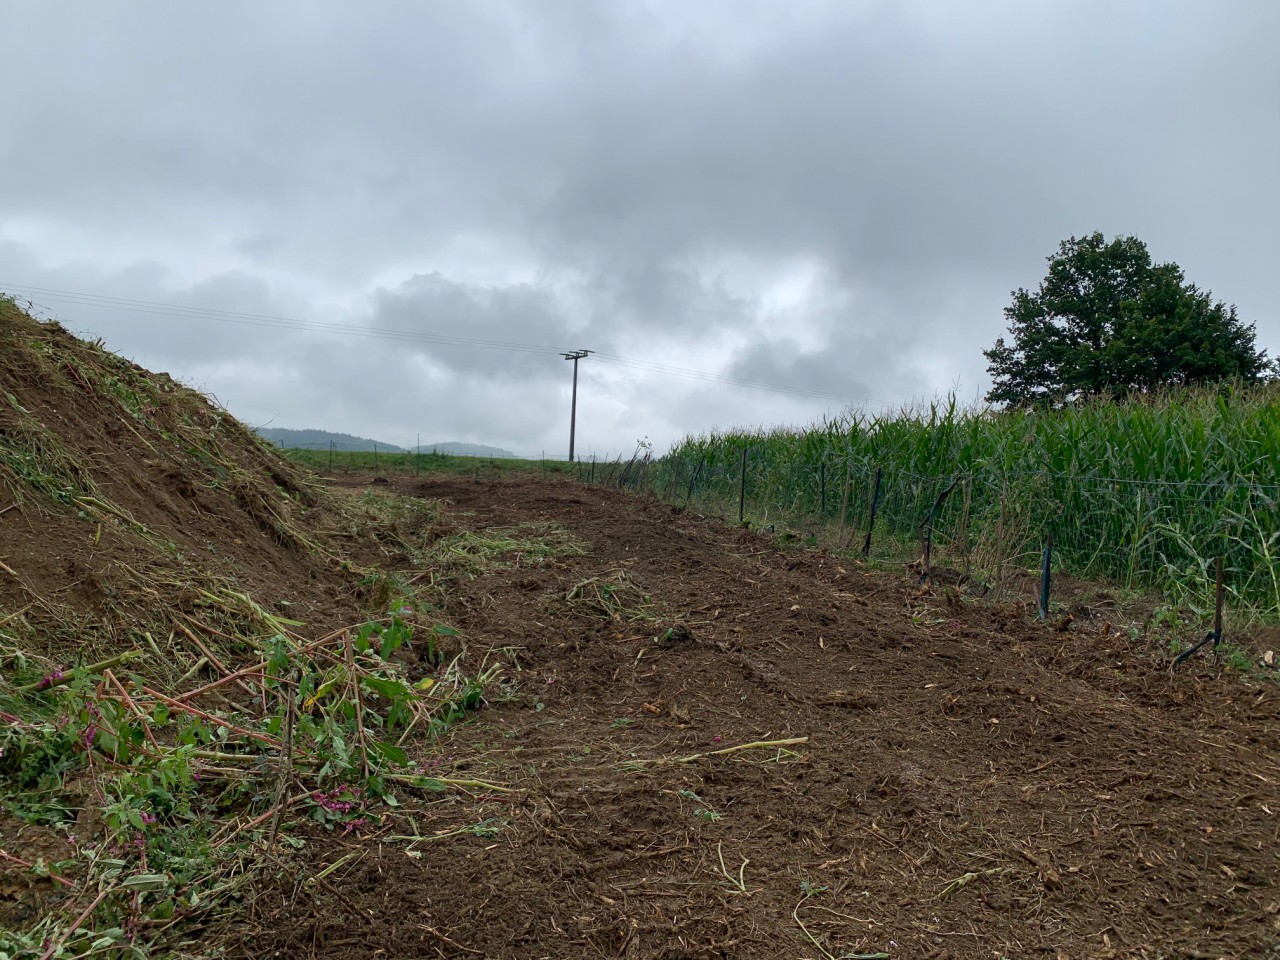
x=989, y=524
x=985, y=524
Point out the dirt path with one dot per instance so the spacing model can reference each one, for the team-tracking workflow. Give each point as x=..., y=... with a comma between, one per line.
x=973, y=784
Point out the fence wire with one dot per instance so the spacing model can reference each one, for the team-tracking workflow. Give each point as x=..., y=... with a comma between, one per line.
x=992, y=524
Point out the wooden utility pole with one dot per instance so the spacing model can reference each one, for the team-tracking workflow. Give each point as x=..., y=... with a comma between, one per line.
x=575, y=356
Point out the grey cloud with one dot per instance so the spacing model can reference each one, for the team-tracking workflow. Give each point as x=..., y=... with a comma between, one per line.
x=520, y=314
x=629, y=177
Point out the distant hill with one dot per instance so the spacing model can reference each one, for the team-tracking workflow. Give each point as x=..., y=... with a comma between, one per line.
x=320, y=440
x=467, y=450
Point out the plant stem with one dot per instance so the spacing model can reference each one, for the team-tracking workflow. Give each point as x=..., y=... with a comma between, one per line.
x=75, y=672
x=754, y=745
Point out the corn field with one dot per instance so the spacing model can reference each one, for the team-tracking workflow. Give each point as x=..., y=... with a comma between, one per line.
x=1140, y=494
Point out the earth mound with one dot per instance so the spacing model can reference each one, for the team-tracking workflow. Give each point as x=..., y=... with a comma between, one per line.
x=130, y=505
x=167, y=583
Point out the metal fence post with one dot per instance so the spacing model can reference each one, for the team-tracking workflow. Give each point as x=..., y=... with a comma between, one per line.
x=693, y=481
x=844, y=500
x=1217, y=606
x=871, y=522
x=1214, y=635
x=926, y=532
x=1046, y=574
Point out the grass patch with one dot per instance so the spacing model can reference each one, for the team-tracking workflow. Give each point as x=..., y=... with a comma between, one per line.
x=409, y=464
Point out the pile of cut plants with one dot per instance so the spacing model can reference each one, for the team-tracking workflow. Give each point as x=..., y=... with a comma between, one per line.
x=205, y=654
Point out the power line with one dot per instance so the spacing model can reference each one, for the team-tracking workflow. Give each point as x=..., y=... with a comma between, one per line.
x=267, y=320
x=155, y=308
x=726, y=379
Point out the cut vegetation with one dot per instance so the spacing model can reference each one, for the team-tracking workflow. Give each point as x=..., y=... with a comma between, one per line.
x=200, y=648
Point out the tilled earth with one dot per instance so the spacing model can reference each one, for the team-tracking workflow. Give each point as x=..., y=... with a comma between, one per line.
x=973, y=783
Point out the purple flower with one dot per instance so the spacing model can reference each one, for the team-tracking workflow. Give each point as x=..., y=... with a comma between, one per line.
x=334, y=801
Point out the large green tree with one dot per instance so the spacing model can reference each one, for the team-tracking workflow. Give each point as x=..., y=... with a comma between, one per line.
x=1106, y=320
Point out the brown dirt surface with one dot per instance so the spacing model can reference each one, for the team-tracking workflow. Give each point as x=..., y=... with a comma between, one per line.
x=24, y=893
x=972, y=784
x=126, y=498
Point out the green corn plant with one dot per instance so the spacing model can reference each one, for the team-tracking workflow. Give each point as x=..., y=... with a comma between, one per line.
x=1141, y=492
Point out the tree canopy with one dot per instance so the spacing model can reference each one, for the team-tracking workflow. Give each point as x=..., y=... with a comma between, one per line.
x=1106, y=320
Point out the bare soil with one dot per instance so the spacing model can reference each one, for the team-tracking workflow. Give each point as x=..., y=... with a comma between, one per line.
x=973, y=783
x=164, y=495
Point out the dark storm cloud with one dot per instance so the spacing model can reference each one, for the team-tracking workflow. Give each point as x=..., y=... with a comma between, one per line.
x=836, y=196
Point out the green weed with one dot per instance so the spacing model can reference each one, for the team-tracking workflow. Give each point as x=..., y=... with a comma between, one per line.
x=410, y=464
x=701, y=812
x=180, y=783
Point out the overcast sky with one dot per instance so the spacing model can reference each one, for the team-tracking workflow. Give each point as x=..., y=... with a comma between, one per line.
x=835, y=197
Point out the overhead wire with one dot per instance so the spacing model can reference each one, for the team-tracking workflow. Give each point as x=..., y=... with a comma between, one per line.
x=266, y=320
x=155, y=308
